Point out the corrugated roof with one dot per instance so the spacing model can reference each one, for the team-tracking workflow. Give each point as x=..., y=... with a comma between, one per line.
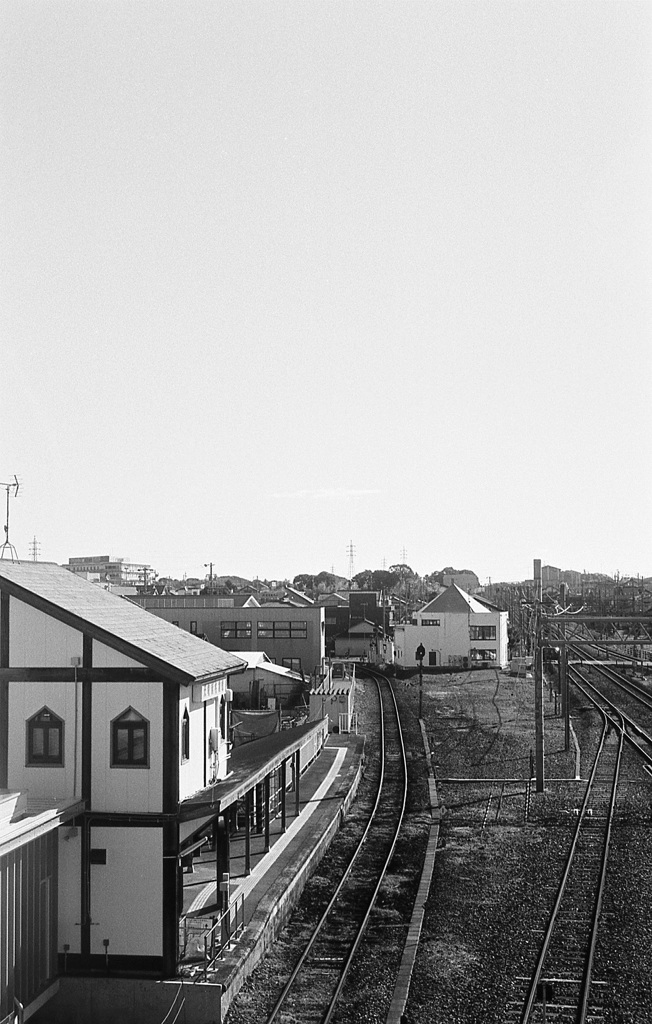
x=259, y=660
x=116, y=622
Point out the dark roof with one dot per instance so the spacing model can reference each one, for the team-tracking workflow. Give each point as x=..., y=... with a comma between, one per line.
x=248, y=765
x=454, y=599
x=117, y=622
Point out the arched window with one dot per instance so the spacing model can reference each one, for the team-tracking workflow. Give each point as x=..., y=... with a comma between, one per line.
x=185, y=735
x=130, y=740
x=222, y=717
x=45, y=739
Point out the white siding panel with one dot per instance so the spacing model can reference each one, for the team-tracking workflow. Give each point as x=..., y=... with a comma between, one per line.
x=131, y=878
x=38, y=640
x=107, y=657
x=127, y=790
x=69, y=888
x=50, y=782
x=191, y=773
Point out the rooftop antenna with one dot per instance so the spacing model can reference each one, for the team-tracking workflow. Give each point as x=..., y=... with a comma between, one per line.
x=7, y=546
x=34, y=549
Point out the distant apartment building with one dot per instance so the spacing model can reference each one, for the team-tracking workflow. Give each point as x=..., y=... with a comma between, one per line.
x=550, y=575
x=112, y=569
x=571, y=578
x=344, y=610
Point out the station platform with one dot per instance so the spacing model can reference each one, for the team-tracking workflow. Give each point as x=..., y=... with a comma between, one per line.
x=271, y=890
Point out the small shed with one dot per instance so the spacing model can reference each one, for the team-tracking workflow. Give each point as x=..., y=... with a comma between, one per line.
x=334, y=698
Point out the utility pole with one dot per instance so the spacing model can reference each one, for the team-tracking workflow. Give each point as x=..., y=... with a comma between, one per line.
x=538, y=679
x=209, y=566
x=563, y=673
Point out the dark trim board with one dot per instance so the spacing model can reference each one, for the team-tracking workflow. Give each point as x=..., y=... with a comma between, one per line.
x=67, y=675
x=4, y=689
x=119, y=966
x=113, y=819
x=171, y=747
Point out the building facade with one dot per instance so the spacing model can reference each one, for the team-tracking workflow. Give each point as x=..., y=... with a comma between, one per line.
x=112, y=569
x=456, y=630
x=103, y=703
x=291, y=637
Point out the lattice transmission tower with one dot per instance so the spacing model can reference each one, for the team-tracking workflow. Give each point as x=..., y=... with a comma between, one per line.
x=351, y=554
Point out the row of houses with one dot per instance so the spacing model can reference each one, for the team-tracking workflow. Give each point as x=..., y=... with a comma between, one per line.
x=456, y=629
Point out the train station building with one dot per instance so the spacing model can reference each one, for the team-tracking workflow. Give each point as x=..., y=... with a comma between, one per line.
x=118, y=772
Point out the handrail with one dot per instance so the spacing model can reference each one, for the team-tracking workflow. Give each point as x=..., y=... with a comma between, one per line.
x=225, y=929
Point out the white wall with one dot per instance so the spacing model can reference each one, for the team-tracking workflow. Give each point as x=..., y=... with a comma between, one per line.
x=451, y=638
x=50, y=782
x=107, y=657
x=127, y=790
x=69, y=888
x=38, y=640
x=191, y=773
x=126, y=892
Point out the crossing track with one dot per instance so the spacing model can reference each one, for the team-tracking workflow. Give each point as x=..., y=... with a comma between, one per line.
x=560, y=987
x=622, y=700
x=311, y=993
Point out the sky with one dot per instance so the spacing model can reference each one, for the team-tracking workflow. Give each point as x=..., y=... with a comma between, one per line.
x=279, y=280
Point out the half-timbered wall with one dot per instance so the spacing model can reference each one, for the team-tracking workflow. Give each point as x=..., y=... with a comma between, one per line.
x=37, y=639
x=126, y=790
x=53, y=782
x=125, y=901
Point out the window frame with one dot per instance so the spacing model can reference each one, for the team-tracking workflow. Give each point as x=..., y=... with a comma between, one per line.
x=236, y=629
x=46, y=760
x=285, y=665
x=480, y=632
x=184, y=743
x=282, y=629
x=483, y=654
x=130, y=725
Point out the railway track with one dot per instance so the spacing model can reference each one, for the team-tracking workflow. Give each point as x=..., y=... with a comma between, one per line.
x=311, y=993
x=638, y=730
x=561, y=987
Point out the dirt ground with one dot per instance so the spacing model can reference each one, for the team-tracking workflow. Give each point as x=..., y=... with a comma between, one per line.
x=502, y=846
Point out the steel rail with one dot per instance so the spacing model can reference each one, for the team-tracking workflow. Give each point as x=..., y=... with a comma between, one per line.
x=588, y=968
x=627, y=685
x=388, y=859
x=629, y=723
x=536, y=975
x=282, y=998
